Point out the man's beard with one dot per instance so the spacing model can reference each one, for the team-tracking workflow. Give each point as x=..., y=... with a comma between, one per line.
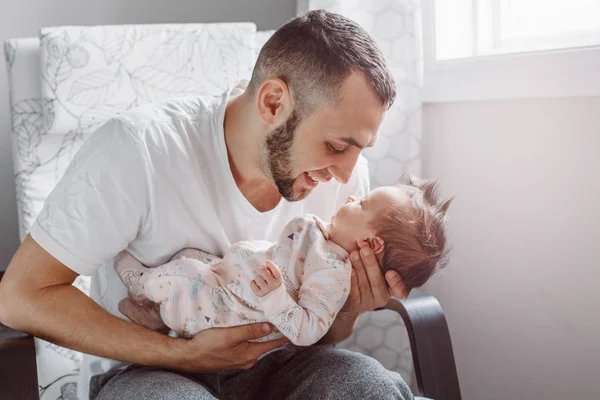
x=279, y=158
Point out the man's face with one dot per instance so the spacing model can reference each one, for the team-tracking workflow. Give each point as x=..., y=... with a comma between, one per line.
x=326, y=144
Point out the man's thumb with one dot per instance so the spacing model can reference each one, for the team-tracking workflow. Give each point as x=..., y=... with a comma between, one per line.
x=252, y=331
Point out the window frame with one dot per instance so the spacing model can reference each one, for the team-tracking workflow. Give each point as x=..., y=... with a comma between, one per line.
x=565, y=72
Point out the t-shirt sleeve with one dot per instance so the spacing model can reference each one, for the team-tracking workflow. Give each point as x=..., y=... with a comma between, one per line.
x=99, y=204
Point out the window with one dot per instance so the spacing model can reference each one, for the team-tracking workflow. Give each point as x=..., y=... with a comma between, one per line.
x=511, y=48
x=470, y=28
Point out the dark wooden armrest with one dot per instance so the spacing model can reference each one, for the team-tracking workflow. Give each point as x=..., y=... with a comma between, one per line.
x=18, y=370
x=430, y=344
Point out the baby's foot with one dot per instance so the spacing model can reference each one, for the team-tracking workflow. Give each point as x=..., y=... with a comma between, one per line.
x=187, y=253
x=130, y=270
x=194, y=254
x=145, y=315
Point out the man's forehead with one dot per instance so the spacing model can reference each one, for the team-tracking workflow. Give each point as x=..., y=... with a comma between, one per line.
x=359, y=127
x=360, y=132
x=354, y=126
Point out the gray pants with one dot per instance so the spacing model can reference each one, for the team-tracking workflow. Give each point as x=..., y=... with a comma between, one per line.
x=291, y=372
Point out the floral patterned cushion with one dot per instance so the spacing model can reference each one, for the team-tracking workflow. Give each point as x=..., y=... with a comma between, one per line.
x=93, y=73
x=29, y=127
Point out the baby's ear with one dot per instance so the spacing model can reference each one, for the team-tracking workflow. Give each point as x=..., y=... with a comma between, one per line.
x=362, y=243
x=375, y=243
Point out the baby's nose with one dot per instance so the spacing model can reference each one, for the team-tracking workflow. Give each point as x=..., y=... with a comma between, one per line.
x=351, y=199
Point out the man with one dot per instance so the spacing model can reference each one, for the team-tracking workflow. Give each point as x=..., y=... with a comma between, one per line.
x=205, y=172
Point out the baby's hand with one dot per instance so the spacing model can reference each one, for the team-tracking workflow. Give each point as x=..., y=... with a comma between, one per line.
x=268, y=279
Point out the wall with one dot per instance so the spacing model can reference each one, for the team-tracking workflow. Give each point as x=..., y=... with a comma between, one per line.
x=24, y=17
x=521, y=293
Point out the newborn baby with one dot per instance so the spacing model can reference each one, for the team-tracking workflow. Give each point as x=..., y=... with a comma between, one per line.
x=299, y=283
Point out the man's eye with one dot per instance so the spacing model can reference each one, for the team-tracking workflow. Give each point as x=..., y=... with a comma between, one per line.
x=334, y=150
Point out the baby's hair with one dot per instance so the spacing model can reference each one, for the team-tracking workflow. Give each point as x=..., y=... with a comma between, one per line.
x=415, y=235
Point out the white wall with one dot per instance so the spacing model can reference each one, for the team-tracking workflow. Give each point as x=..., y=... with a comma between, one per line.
x=522, y=291
x=24, y=17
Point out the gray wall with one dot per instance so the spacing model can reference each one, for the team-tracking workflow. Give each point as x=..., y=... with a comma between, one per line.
x=24, y=17
x=521, y=292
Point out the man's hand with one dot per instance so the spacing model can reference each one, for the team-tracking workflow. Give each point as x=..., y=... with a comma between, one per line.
x=368, y=287
x=268, y=279
x=220, y=349
x=368, y=291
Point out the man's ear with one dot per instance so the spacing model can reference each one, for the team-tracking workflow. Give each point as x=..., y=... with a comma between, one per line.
x=274, y=102
x=375, y=243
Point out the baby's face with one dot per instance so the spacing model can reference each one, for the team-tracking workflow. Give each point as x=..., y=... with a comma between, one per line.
x=356, y=217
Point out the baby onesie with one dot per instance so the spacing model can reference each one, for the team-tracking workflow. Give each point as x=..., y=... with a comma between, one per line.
x=198, y=291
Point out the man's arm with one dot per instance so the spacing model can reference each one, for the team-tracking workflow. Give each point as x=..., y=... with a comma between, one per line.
x=36, y=297
x=342, y=328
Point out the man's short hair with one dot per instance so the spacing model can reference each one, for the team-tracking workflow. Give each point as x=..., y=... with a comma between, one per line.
x=315, y=53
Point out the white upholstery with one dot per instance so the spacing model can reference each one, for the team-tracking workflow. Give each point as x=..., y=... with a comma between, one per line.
x=95, y=72
x=39, y=160
x=29, y=126
x=89, y=74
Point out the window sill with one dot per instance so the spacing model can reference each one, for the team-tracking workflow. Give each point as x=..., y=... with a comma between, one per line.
x=549, y=74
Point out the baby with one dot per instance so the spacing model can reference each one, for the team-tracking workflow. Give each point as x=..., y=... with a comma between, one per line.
x=299, y=283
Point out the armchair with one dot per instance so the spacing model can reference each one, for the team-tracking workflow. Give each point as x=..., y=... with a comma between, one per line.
x=54, y=108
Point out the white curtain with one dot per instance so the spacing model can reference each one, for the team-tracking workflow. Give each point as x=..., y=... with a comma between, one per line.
x=396, y=26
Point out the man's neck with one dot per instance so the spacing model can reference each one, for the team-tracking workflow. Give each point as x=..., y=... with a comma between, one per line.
x=243, y=139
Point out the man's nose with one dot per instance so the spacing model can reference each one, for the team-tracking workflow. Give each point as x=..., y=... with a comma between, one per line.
x=342, y=171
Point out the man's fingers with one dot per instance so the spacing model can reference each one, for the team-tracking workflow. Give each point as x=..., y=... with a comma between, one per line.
x=248, y=365
x=372, y=268
x=397, y=288
x=354, y=297
x=361, y=276
x=243, y=333
x=380, y=291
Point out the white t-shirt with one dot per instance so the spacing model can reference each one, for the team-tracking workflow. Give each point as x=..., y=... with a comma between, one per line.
x=153, y=181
